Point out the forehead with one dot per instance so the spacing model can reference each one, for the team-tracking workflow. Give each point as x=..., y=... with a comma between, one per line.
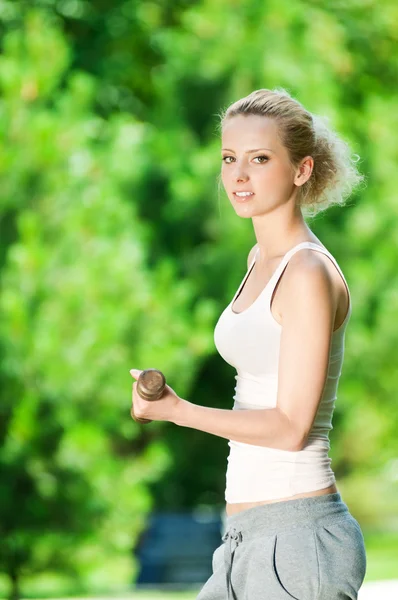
x=243, y=132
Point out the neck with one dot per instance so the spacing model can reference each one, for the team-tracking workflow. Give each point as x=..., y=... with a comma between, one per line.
x=278, y=231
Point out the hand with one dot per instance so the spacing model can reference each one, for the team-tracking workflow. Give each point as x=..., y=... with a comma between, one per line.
x=163, y=409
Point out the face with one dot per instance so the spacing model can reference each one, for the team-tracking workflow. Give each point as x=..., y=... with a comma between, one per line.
x=266, y=171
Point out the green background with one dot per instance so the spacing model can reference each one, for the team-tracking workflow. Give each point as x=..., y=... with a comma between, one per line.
x=119, y=250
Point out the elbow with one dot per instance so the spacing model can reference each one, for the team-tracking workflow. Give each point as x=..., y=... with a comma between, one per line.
x=294, y=439
x=298, y=441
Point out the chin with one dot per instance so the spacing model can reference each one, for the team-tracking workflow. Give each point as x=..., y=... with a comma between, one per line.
x=245, y=211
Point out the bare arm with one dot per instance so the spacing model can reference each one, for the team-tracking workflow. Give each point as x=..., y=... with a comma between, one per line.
x=261, y=427
x=308, y=312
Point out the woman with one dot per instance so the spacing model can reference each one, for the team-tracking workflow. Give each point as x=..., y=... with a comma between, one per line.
x=288, y=532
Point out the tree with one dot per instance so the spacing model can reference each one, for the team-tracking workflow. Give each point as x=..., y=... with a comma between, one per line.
x=79, y=308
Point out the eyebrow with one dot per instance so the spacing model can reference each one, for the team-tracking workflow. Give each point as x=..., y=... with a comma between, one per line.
x=249, y=151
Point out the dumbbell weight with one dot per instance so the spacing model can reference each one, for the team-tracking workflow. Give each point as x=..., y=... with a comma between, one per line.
x=150, y=385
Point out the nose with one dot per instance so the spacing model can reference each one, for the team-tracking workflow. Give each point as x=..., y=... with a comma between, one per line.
x=240, y=175
x=239, y=172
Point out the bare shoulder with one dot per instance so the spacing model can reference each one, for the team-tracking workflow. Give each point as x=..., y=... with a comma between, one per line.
x=308, y=278
x=308, y=269
x=308, y=264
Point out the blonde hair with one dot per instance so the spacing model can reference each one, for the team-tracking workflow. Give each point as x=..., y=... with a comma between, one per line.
x=334, y=175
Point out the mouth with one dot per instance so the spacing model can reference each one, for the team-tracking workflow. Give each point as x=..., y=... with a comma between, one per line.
x=244, y=198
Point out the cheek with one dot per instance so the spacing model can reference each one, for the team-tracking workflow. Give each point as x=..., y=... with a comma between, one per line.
x=226, y=178
x=225, y=173
x=268, y=179
x=279, y=176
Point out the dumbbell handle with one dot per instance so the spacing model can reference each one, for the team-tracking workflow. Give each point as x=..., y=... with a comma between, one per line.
x=150, y=385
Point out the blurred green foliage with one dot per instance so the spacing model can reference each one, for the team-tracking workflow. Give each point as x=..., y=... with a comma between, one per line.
x=118, y=250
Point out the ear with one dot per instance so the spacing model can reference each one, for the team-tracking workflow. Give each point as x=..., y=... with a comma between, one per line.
x=304, y=171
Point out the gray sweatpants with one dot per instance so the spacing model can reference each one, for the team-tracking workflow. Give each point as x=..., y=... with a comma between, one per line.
x=305, y=549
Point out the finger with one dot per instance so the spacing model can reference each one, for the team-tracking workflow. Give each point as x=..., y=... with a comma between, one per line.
x=135, y=373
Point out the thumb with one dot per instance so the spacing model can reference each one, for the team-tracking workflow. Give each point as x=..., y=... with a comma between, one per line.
x=135, y=373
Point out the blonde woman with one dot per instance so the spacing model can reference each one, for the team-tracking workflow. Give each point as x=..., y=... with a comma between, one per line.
x=288, y=532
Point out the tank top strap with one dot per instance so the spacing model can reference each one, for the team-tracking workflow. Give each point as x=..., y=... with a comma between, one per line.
x=249, y=270
x=283, y=263
x=280, y=268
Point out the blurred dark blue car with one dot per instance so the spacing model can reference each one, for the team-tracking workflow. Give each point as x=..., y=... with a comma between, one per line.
x=176, y=548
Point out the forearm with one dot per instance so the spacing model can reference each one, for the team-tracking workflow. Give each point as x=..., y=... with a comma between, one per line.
x=262, y=427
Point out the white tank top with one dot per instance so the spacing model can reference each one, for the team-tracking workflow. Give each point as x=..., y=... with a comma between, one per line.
x=249, y=341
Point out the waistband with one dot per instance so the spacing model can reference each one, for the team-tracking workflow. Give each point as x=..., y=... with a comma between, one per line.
x=276, y=516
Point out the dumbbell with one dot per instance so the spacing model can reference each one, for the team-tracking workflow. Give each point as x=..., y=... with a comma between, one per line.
x=150, y=385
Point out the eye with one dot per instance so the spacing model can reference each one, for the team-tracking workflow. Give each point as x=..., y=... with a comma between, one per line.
x=262, y=156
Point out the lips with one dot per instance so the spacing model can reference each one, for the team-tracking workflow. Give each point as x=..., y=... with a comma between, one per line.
x=243, y=199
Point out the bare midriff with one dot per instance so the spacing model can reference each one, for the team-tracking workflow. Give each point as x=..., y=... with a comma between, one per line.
x=234, y=508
